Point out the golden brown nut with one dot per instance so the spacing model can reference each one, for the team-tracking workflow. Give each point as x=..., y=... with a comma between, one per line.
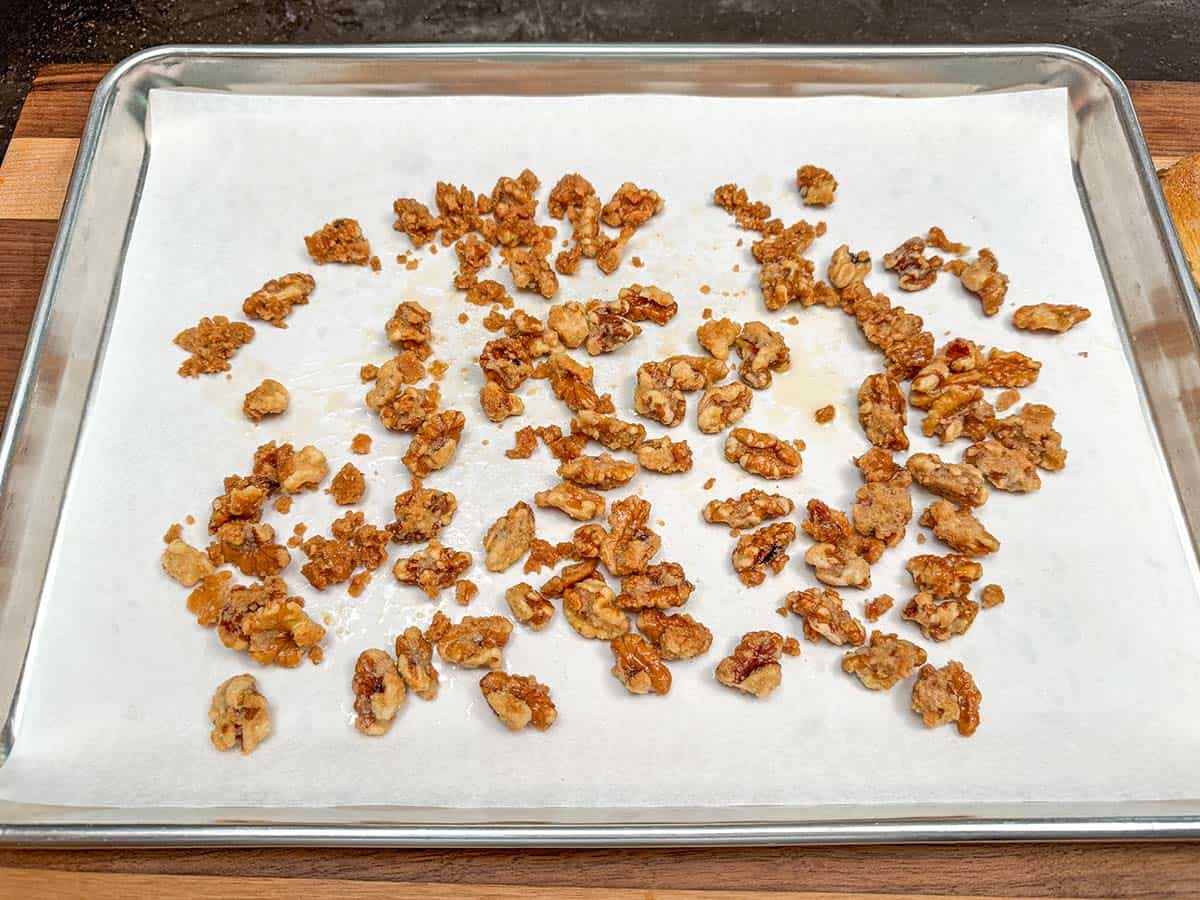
x=509, y=537
x=816, y=185
x=458, y=210
x=528, y=606
x=937, y=238
x=239, y=715
x=209, y=597
x=631, y=206
x=629, y=545
x=916, y=270
x=608, y=327
x=379, y=692
x=434, y=443
x=211, y=343
x=613, y=433
x=524, y=443
x=570, y=575
x=944, y=576
x=647, y=304
x=432, y=568
x=674, y=636
x=498, y=404
x=656, y=396
x=580, y=504
x=982, y=278
x=846, y=268
x=415, y=220
x=883, y=412
x=185, y=563
x=660, y=586
x=825, y=617
x=414, y=662
x=1058, y=317
x=665, y=456
x=874, y=609
x=717, y=336
x=409, y=329
x=753, y=666
x=945, y=695
x=1009, y=369
x=638, y=665
x=569, y=321
x=270, y=398
x=763, y=549
x=354, y=544
x=883, y=509
x=589, y=606
x=748, y=510
x=940, y=621
x=303, y=471
x=886, y=662
x=1004, y=468
x=518, y=700
x=531, y=270
x=421, y=514
x=250, y=547
x=348, y=486
x=762, y=352
x=273, y=301
x=722, y=406
x=401, y=408
x=957, y=528
x=601, y=472
x=959, y=483
x=840, y=555
x=506, y=362
x=1031, y=431
x=763, y=454
x=571, y=382
x=786, y=275
x=340, y=241
x=475, y=642
x=263, y=620
x=959, y=410
x=991, y=595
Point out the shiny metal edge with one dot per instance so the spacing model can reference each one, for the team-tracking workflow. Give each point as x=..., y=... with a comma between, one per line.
x=1079, y=827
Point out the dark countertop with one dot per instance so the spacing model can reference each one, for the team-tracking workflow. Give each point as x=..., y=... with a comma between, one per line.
x=1151, y=39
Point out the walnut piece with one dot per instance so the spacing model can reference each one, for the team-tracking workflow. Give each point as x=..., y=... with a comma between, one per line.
x=250, y=547
x=524, y=443
x=613, y=433
x=1057, y=317
x=273, y=301
x=816, y=185
x=718, y=335
x=239, y=715
x=303, y=470
x=518, y=700
x=883, y=509
x=570, y=322
x=185, y=563
x=409, y=329
x=211, y=343
x=840, y=556
x=660, y=586
x=665, y=456
x=748, y=510
x=885, y=662
x=631, y=206
x=263, y=620
x=506, y=362
x=1031, y=431
x=944, y=577
x=415, y=220
x=763, y=454
x=753, y=666
x=752, y=216
x=991, y=595
x=646, y=304
x=432, y=568
x=629, y=545
x=414, y=662
x=475, y=642
x=498, y=404
x=874, y=609
x=1004, y=468
x=937, y=238
x=401, y=408
x=674, y=636
x=608, y=328
x=268, y=399
x=340, y=241
x=786, y=275
x=347, y=486
x=602, y=472
x=580, y=504
x=638, y=665
x=355, y=544
x=825, y=617
x=657, y=397
x=959, y=483
x=722, y=406
x=957, y=528
x=590, y=608
x=908, y=261
x=570, y=575
x=945, y=695
x=379, y=692
x=762, y=351
x=531, y=271
x=421, y=514
x=434, y=443
x=571, y=382
x=846, y=268
x=983, y=278
x=509, y=537
x=459, y=211
x=763, y=549
x=528, y=606
x=959, y=410
x=209, y=597
x=882, y=412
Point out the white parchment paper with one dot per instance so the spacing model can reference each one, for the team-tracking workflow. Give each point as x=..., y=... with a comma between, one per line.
x=1088, y=672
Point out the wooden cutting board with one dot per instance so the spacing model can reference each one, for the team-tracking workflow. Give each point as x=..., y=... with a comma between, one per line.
x=33, y=180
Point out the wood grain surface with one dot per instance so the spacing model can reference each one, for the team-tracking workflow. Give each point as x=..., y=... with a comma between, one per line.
x=32, y=181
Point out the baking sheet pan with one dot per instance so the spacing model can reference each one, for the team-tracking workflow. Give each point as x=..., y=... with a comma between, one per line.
x=815, y=811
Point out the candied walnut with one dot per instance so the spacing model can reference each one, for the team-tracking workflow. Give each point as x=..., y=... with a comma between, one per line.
x=585, y=542
x=434, y=443
x=572, y=574
x=825, y=617
x=379, y=692
x=239, y=715
x=518, y=700
x=958, y=362
x=1057, y=317
x=524, y=443
x=528, y=606
x=816, y=185
x=185, y=563
x=601, y=472
x=458, y=209
x=693, y=373
x=717, y=336
x=674, y=636
x=752, y=508
x=631, y=206
x=957, y=411
x=414, y=662
x=991, y=595
x=638, y=665
x=541, y=555
x=877, y=465
x=488, y=293
x=824, y=415
x=498, y=404
x=1031, y=431
x=899, y=334
x=608, y=329
x=174, y=533
x=432, y=568
x=569, y=193
x=303, y=470
x=982, y=278
x=944, y=577
x=402, y=408
x=509, y=537
x=570, y=322
x=208, y=598
x=340, y=241
x=945, y=695
x=613, y=433
x=475, y=642
x=578, y=503
x=465, y=591
x=883, y=509
x=762, y=454
x=885, y=662
x=762, y=351
x=722, y=406
x=268, y=399
x=1004, y=468
x=531, y=271
x=1009, y=369
x=249, y=547
x=646, y=304
x=846, y=268
x=752, y=216
x=916, y=270
x=415, y=220
x=959, y=483
x=753, y=666
x=589, y=607
x=840, y=555
x=665, y=456
x=786, y=275
x=263, y=620
x=473, y=255
x=629, y=545
x=660, y=586
x=940, y=621
x=874, y=609
x=656, y=396
x=506, y=362
x=838, y=566
x=348, y=486
x=421, y=514
x=273, y=301
x=355, y=544
x=571, y=382
x=409, y=329
x=763, y=549
x=1006, y=400
x=211, y=343
x=958, y=529
x=937, y=239
x=882, y=412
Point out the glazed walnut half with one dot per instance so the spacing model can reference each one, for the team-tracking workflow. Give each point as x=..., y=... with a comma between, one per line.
x=945, y=695
x=753, y=666
x=763, y=454
x=638, y=665
x=379, y=692
x=239, y=715
x=518, y=700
